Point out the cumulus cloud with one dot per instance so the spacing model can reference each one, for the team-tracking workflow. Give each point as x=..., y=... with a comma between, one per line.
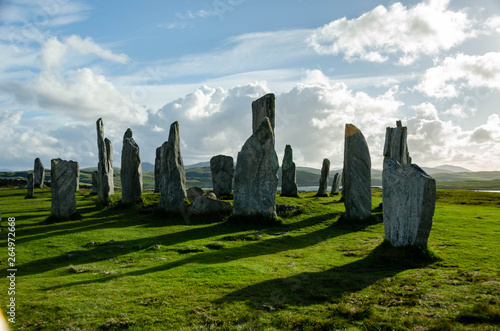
x=461, y=71
x=407, y=33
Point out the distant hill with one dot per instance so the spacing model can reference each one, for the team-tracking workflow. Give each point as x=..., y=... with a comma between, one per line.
x=200, y=175
x=443, y=169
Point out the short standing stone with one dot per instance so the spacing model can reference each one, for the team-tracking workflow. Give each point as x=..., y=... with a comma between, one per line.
x=173, y=188
x=158, y=169
x=131, y=170
x=336, y=184
x=409, y=199
x=262, y=108
x=30, y=186
x=105, y=164
x=39, y=173
x=323, y=180
x=222, y=169
x=256, y=180
x=288, y=174
x=396, y=146
x=63, y=187
x=356, y=178
x=95, y=182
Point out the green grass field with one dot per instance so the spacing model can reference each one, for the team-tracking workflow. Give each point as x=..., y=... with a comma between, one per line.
x=131, y=268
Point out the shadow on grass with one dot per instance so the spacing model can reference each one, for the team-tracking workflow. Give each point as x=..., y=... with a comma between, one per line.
x=273, y=245
x=311, y=288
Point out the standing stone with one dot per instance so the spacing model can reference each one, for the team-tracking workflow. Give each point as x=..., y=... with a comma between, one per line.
x=395, y=144
x=158, y=169
x=95, y=183
x=105, y=164
x=261, y=108
x=256, y=179
x=336, y=184
x=63, y=182
x=356, y=178
x=222, y=168
x=288, y=174
x=323, y=179
x=77, y=180
x=409, y=199
x=131, y=170
x=39, y=173
x=173, y=188
x=30, y=186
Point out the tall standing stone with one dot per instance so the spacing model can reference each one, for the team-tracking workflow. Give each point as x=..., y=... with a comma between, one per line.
x=409, y=199
x=158, y=169
x=356, y=178
x=131, y=170
x=396, y=146
x=323, y=179
x=288, y=174
x=63, y=187
x=408, y=193
x=173, y=188
x=222, y=169
x=262, y=108
x=105, y=164
x=30, y=186
x=39, y=173
x=256, y=179
x=336, y=184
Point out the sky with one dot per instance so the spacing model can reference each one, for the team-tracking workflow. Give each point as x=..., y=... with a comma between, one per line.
x=433, y=64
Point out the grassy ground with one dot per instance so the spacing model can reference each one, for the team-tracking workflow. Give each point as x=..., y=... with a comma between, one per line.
x=131, y=268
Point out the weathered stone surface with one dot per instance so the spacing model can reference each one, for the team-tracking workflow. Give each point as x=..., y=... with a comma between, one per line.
x=131, y=169
x=30, y=186
x=356, y=178
x=222, y=168
x=207, y=206
x=95, y=183
x=105, y=164
x=77, y=179
x=288, y=182
x=173, y=188
x=262, y=108
x=193, y=193
x=336, y=183
x=158, y=169
x=63, y=187
x=39, y=173
x=409, y=199
x=395, y=144
x=323, y=179
x=256, y=180
x=211, y=195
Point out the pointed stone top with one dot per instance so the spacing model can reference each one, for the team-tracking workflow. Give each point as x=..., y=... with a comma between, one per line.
x=128, y=134
x=350, y=130
x=398, y=124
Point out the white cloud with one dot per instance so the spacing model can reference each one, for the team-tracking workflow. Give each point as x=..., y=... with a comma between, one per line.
x=88, y=46
x=462, y=71
x=407, y=33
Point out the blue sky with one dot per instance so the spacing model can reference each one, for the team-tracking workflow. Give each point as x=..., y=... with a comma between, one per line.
x=434, y=64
